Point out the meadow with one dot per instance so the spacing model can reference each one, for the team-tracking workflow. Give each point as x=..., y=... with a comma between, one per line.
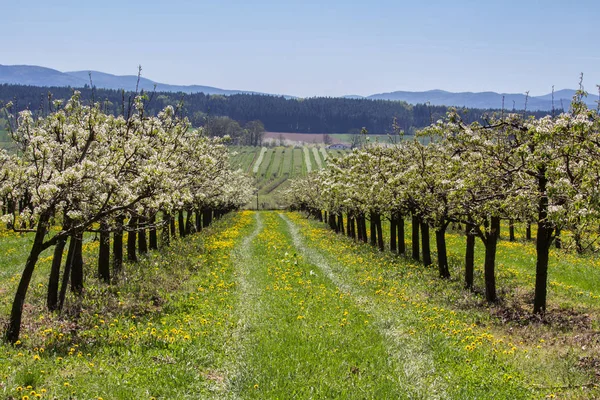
x=272, y=305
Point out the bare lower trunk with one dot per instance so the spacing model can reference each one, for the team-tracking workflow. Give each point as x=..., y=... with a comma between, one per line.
x=341, y=224
x=542, y=246
x=393, y=231
x=440, y=240
x=426, y=244
x=67, y=272
x=511, y=230
x=141, y=235
x=198, y=221
x=166, y=234
x=373, y=229
x=489, y=268
x=77, y=266
x=13, y=328
x=131, y=238
x=415, y=238
x=104, y=253
x=118, y=246
x=54, y=279
x=401, y=242
x=153, y=235
x=379, y=228
x=181, y=223
x=469, y=257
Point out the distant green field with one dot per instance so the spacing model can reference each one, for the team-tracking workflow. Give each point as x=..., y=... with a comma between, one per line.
x=278, y=165
x=5, y=141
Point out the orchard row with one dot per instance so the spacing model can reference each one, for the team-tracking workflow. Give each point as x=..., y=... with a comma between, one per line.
x=79, y=169
x=539, y=172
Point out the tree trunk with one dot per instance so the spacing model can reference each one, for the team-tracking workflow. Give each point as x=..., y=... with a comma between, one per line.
x=153, y=233
x=188, y=223
x=131, y=256
x=489, y=268
x=53, y=281
x=166, y=234
x=415, y=238
x=198, y=220
x=77, y=266
x=469, y=257
x=331, y=221
x=380, y=243
x=172, y=225
x=141, y=236
x=511, y=230
x=542, y=246
x=207, y=217
x=67, y=271
x=373, y=230
x=350, y=225
x=393, y=231
x=118, y=245
x=341, y=224
x=528, y=231
x=181, y=223
x=104, y=253
x=440, y=241
x=426, y=244
x=401, y=242
x=557, y=241
x=13, y=328
x=363, y=227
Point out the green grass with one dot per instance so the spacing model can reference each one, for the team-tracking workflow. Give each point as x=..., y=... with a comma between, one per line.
x=161, y=331
x=6, y=141
x=271, y=306
x=275, y=167
x=545, y=358
x=266, y=164
x=299, y=165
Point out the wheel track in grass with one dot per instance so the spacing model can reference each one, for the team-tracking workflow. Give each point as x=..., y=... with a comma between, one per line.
x=416, y=363
x=242, y=256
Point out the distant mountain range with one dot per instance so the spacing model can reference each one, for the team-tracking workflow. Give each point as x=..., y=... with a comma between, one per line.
x=562, y=99
x=41, y=76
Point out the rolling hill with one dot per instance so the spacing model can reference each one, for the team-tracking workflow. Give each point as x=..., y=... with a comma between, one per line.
x=41, y=76
x=562, y=99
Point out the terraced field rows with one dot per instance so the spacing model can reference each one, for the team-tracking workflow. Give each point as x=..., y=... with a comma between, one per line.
x=272, y=167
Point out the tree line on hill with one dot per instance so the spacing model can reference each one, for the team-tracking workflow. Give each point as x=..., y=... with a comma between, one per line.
x=277, y=114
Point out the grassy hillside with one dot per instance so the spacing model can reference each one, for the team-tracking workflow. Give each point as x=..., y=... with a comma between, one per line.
x=277, y=165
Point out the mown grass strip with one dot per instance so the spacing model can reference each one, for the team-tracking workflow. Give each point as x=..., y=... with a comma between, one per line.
x=317, y=157
x=304, y=337
x=259, y=160
x=307, y=162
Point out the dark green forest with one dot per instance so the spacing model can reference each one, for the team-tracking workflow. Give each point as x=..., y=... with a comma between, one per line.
x=278, y=114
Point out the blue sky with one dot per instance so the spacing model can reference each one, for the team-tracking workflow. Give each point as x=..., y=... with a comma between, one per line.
x=316, y=48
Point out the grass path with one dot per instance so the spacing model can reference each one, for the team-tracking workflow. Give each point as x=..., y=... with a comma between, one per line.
x=301, y=336
x=417, y=374
x=309, y=328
